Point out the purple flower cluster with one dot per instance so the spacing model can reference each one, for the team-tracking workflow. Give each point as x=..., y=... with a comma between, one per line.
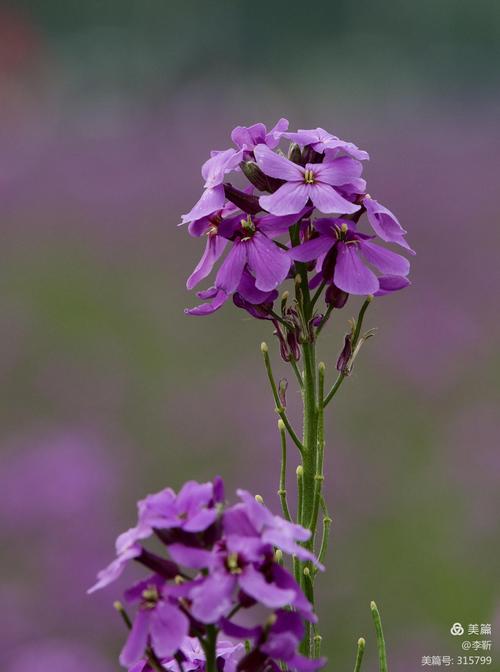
x=316, y=195
x=221, y=561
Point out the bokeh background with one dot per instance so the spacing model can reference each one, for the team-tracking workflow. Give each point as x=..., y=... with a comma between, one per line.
x=107, y=110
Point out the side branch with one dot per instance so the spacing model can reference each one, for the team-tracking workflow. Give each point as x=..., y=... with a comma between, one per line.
x=279, y=408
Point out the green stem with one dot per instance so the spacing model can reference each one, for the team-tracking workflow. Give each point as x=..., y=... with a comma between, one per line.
x=359, y=654
x=209, y=646
x=279, y=408
x=282, y=491
x=327, y=522
x=319, y=476
x=382, y=655
x=354, y=341
x=297, y=373
x=310, y=438
x=317, y=294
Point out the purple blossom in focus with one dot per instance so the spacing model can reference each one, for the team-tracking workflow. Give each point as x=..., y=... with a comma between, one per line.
x=342, y=253
x=322, y=175
x=314, y=181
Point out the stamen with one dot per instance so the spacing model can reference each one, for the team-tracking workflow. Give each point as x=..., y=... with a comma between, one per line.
x=309, y=176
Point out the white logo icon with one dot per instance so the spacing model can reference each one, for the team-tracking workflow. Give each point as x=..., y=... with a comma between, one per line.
x=457, y=629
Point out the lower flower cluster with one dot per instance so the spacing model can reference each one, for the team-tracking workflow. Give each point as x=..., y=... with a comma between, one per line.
x=218, y=571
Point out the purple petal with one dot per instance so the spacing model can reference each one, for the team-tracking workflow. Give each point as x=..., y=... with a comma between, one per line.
x=312, y=249
x=212, y=598
x=229, y=275
x=114, y=570
x=137, y=640
x=268, y=594
x=198, y=227
x=210, y=201
x=214, y=248
x=214, y=169
x=385, y=223
x=200, y=521
x=275, y=165
x=351, y=274
x=249, y=291
x=274, y=135
x=391, y=283
x=302, y=664
x=273, y=226
x=326, y=199
x=169, y=627
x=218, y=300
x=246, y=137
x=337, y=172
x=194, y=558
x=269, y=263
x=386, y=261
x=289, y=199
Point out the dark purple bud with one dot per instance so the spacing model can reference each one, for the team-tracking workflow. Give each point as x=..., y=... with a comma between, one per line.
x=284, y=351
x=247, y=202
x=252, y=662
x=336, y=297
x=293, y=344
x=309, y=155
x=345, y=355
x=165, y=568
x=218, y=490
x=317, y=320
x=282, y=388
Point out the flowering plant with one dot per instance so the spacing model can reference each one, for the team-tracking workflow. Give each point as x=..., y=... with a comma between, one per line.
x=239, y=571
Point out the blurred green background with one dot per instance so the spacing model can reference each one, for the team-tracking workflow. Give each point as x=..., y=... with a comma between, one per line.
x=107, y=110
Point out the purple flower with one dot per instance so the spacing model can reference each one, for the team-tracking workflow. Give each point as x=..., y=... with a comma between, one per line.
x=158, y=623
x=213, y=172
x=193, y=657
x=193, y=510
x=276, y=642
x=254, y=266
x=247, y=137
x=341, y=247
x=318, y=182
x=385, y=224
x=322, y=141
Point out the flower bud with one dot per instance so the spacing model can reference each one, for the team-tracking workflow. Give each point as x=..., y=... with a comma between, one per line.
x=254, y=175
x=336, y=297
x=294, y=153
x=282, y=388
x=246, y=202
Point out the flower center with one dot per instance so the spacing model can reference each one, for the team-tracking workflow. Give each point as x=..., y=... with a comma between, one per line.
x=150, y=597
x=309, y=176
x=232, y=563
x=248, y=227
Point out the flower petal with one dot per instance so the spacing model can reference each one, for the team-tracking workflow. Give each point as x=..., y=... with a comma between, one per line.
x=275, y=165
x=337, y=172
x=219, y=297
x=137, y=640
x=386, y=261
x=194, y=558
x=312, y=249
x=326, y=199
x=220, y=163
x=391, y=283
x=385, y=224
x=229, y=275
x=269, y=263
x=214, y=248
x=249, y=291
x=169, y=627
x=212, y=598
x=210, y=201
x=255, y=585
x=351, y=274
x=289, y=199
